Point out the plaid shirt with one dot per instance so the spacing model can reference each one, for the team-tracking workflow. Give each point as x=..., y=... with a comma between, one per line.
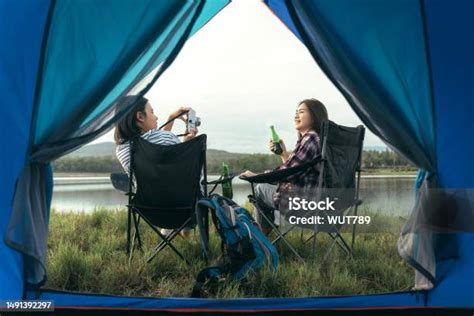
x=307, y=148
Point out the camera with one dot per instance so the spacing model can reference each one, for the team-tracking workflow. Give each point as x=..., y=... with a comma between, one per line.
x=193, y=121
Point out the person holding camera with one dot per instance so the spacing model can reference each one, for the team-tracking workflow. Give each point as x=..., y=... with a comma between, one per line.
x=141, y=121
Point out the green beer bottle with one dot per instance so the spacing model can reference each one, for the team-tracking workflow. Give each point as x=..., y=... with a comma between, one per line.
x=226, y=186
x=275, y=140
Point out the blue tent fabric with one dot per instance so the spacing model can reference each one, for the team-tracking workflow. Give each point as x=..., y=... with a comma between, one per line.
x=102, y=53
x=208, y=11
x=408, y=77
x=451, y=49
x=27, y=231
x=86, y=52
x=86, y=43
x=19, y=20
x=376, y=73
x=281, y=11
x=64, y=299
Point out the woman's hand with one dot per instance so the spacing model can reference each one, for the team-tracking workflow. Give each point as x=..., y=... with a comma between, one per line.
x=284, y=153
x=247, y=174
x=180, y=110
x=192, y=133
x=271, y=145
x=174, y=115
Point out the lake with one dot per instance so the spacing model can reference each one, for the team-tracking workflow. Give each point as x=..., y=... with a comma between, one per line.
x=391, y=195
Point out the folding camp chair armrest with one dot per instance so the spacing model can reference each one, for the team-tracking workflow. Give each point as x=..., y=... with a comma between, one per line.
x=220, y=180
x=160, y=208
x=280, y=175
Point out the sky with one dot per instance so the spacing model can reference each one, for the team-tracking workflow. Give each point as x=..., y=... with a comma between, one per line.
x=243, y=72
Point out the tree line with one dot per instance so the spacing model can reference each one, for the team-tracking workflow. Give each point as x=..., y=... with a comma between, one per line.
x=371, y=159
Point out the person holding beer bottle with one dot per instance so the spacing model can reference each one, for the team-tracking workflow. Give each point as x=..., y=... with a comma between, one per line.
x=310, y=113
x=277, y=146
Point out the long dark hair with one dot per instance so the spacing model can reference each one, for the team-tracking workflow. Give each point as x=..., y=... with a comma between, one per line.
x=318, y=113
x=127, y=128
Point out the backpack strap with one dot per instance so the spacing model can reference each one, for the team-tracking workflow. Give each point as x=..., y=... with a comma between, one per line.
x=208, y=205
x=202, y=206
x=212, y=274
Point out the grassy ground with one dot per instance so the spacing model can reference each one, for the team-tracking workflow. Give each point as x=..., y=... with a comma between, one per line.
x=87, y=254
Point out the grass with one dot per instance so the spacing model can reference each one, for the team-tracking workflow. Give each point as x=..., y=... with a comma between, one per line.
x=87, y=253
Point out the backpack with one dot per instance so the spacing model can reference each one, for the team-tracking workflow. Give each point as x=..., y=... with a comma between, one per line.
x=244, y=247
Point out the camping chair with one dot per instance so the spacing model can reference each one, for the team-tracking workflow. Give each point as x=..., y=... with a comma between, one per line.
x=167, y=188
x=339, y=178
x=121, y=182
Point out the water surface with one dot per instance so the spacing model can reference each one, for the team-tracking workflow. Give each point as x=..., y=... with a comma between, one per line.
x=387, y=195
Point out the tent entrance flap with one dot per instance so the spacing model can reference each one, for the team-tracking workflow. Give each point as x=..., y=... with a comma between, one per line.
x=89, y=66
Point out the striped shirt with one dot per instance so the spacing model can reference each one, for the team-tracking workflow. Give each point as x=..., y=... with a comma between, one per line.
x=153, y=136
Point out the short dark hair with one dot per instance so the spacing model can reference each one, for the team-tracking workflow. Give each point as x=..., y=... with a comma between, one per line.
x=127, y=128
x=318, y=113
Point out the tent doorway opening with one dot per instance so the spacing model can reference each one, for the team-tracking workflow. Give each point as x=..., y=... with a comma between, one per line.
x=240, y=78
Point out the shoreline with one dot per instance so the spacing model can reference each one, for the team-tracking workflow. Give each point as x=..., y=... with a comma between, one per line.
x=104, y=178
x=107, y=175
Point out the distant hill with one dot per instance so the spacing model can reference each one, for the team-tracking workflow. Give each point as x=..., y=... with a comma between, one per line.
x=100, y=158
x=108, y=149
x=376, y=148
x=98, y=150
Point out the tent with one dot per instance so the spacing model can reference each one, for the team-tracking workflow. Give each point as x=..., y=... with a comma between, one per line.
x=404, y=66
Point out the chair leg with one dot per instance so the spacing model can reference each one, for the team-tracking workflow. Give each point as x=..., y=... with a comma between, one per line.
x=132, y=246
x=136, y=222
x=167, y=242
x=329, y=250
x=354, y=229
x=310, y=237
x=134, y=237
x=130, y=254
x=280, y=235
x=129, y=229
x=164, y=242
x=162, y=246
x=342, y=242
x=339, y=240
x=169, y=236
x=283, y=235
